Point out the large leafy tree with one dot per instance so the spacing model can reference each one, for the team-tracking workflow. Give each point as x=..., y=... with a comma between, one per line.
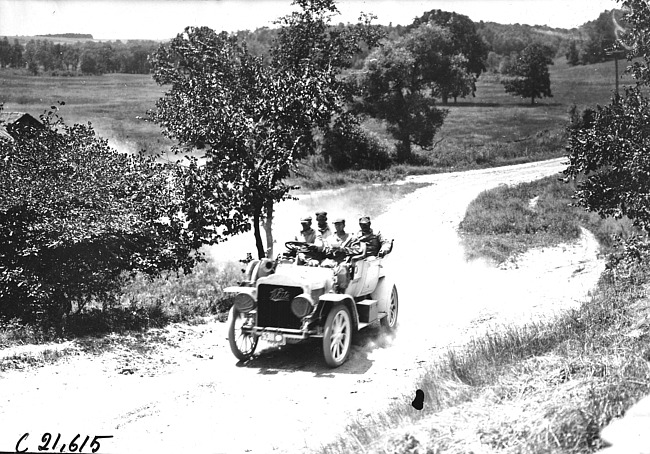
x=253, y=121
x=76, y=215
x=608, y=146
x=528, y=76
x=465, y=53
x=398, y=85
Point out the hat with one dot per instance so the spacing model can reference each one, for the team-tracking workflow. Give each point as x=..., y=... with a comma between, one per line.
x=321, y=213
x=364, y=220
x=338, y=220
x=306, y=219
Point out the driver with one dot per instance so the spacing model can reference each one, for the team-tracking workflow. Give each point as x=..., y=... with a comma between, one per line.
x=375, y=244
x=307, y=234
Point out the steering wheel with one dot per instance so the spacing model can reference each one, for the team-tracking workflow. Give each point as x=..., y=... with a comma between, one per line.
x=300, y=246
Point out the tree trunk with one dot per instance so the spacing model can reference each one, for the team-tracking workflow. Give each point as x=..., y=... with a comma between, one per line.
x=532, y=100
x=268, y=228
x=256, y=232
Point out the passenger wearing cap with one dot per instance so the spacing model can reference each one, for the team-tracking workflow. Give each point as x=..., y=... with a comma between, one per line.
x=307, y=234
x=324, y=230
x=337, y=243
x=376, y=245
x=337, y=247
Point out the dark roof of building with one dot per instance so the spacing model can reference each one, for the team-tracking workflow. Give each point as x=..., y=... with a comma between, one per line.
x=12, y=118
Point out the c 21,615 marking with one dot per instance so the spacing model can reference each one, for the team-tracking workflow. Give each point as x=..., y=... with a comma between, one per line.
x=75, y=445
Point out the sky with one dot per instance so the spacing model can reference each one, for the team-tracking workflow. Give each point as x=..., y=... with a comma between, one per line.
x=164, y=19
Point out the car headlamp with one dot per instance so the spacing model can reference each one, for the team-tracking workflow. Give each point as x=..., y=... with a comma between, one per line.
x=244, y=302
x=302, y=305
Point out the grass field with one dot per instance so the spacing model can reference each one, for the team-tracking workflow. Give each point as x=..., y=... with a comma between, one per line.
x=490, y=129
x=112, y=103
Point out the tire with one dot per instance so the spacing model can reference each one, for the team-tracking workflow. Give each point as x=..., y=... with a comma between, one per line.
x=337, y=337
x=390, y=320
x=242, y=345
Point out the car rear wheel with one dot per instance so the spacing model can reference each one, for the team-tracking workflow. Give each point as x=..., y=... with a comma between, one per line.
x=390, y=321
x=242, y=344
x=337, y=336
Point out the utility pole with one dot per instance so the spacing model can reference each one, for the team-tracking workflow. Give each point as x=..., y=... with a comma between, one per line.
x=617, y=53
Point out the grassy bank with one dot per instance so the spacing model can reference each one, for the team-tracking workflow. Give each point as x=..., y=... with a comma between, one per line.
x=506, y=221
x=537, y=388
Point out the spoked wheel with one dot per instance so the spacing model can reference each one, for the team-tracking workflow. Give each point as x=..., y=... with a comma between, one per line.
x=242, y=344
x=390, y=321
x=337, y=336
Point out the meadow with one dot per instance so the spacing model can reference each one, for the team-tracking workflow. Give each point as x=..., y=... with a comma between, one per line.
x=492, y=128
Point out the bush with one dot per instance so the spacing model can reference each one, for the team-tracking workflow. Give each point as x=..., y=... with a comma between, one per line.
x=76, y=215
x=348, y=146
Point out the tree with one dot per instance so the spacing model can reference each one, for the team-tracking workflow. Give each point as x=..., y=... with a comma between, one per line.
x=607, y=147
x=75, y=215
x=5, y=52
x=252, y=122
x=398, y=84
x=17, y=55
x=572, y=54
x=464, y=36
x=528, y=75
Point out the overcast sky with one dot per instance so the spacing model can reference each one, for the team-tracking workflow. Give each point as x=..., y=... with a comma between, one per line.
x=163, y=19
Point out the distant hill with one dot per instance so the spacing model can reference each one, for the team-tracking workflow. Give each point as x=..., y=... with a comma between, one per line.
x=68, y=35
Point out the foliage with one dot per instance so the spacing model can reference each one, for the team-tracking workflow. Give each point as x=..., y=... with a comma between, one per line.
x=86, y=57
x=528, y=76
x=465, y=40
x=607, y=154
x=75, y=215
x=607, y=147
x=346, y=146
x=398, y=84
x=253, y=121
x=10, y=56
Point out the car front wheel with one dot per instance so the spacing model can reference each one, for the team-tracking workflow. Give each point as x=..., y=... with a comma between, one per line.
x=337, y=336
x=242, y=344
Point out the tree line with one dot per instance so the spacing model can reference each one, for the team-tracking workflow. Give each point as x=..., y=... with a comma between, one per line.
x=88, y=57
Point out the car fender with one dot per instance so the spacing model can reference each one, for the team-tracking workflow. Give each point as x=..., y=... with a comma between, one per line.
x=382, y=293
x=329, y=300
x=252, y=291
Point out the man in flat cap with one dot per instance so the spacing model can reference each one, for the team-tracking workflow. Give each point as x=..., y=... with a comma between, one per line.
x=337, y=243
x=307, y=234
x=336, y=247
x=375, y=244
x=324, y=230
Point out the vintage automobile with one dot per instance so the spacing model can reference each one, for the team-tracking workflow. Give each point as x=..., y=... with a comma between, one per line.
x=296, y=297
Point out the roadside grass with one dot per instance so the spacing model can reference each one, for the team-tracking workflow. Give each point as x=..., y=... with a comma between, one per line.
x=172, y=298
x=542, y=387
x=508, y=220
x=144, y=303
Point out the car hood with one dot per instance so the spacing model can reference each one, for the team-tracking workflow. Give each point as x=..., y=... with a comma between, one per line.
x=312, y=277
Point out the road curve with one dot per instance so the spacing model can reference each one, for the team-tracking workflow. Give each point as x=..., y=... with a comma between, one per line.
x=191, y=394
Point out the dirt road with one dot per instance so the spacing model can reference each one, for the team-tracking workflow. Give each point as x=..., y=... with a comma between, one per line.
x=189, y=393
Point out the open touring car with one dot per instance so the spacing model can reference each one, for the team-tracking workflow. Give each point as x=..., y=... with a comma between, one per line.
x=289, y=300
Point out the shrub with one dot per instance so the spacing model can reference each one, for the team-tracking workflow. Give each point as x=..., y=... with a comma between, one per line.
x=75, y=215
x=348, y=146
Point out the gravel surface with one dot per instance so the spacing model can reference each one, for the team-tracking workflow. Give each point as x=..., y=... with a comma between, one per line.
x=186, y=391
